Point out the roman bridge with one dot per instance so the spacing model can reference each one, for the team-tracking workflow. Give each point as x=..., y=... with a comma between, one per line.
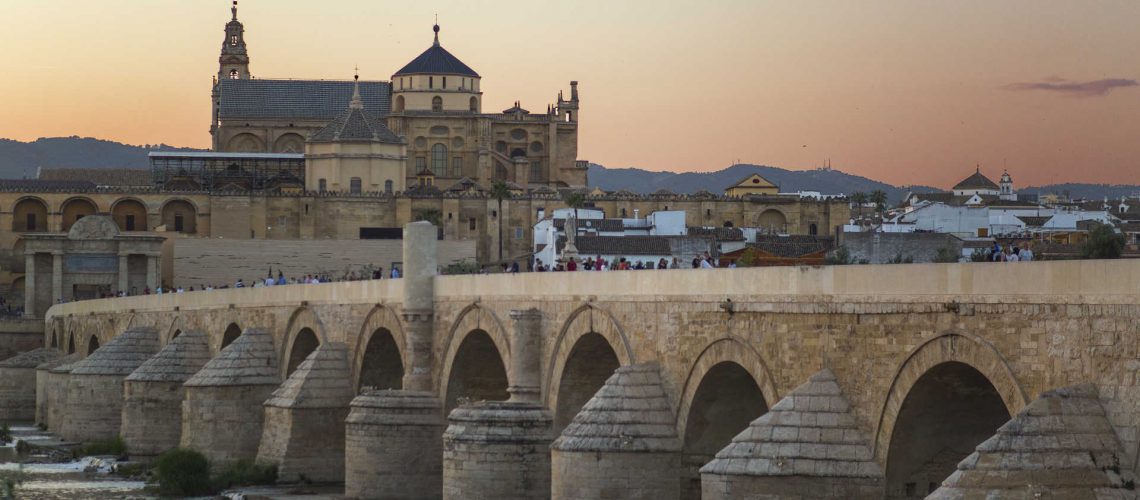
x=857, y=379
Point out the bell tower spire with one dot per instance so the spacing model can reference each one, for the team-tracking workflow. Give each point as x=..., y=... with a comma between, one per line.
x=234, y=60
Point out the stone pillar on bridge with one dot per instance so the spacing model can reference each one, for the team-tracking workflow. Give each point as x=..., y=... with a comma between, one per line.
x=305, y=419
x=152, y=272
x=622, y=444
x=95, y=388
x=124, y=272
x=29, y=284
x=808, y=446
x=222, y=412
x=393, y=438
x=56, y=277
x=420, y=268
x=501, y=449
x=152, y=394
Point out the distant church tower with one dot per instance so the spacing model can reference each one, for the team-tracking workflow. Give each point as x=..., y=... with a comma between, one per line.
x=232, y=64
x=1005, y=187
x=234, y=61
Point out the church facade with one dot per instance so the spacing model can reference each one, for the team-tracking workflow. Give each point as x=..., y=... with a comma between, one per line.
x=434, y=104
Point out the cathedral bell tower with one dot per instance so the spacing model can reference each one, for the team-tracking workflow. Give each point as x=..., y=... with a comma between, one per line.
x=234, y=61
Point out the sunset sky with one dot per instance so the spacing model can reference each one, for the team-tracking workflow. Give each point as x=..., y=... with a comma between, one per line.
x=906, y=91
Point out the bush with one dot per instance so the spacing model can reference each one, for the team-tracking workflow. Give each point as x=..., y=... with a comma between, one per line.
x=114, y=447
x=5, y=434
x=1103, y=243
x=244, y=473
x=839, y=257
x=899, y=259
x=946, y=255
x=980, y=255
x=182, y=472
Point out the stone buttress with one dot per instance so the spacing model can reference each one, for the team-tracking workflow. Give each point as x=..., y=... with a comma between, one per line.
x=222, y=412
x=1060, y=446
x=393, y=442
x=51, y=390
x=18, y=384
x=808, y=446
x=393, y=437
x=152, y=394
x=501, y=449
x=95, y=388
x=622, y=444
x=304, y=419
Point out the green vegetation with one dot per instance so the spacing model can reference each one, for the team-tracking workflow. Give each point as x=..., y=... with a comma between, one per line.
x=5, y=434
x=1103, y=243
x=431, y=215
x=980, y=255
x=244, y=473
x=114, y=447
x=183, y=472
x=946, y=255
x=9, y=482
x=468, y=266
x=879, y=198
x=900, y=259
x=749, y=258
x=839, y=257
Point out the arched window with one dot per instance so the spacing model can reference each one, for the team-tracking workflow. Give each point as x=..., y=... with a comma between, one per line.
x=354, y=185
x=388, y=186
x=474, y=105
x=437, y=104
x=399, y=107
x=439, y=160
x=813, y=230
x=444, y=82
x=233, y=40
x=233, y=74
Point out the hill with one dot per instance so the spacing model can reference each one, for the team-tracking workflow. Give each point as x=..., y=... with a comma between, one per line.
x=21, y=159
x=825, y=181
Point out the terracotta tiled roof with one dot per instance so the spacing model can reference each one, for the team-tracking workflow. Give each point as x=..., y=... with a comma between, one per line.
x=792, y=245
x=719, y=233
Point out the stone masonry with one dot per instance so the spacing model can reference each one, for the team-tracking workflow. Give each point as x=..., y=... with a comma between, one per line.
x=95, y=387
x=51, y=389
x=304, y=419
x=222, y=412
x=392, y=443
x=18, y=384
x=152, y=394
x=807, y=446
x=623, y=444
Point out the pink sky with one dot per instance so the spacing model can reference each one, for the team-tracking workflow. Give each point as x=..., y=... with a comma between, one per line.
x=898, y=90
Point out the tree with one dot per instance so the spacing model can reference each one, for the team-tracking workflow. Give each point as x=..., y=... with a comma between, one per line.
x=500, y=192
x=879, y=198
x=432, y=215
x=1103, y=243
x=749, y=258
x=575, y=200
x=858, y=198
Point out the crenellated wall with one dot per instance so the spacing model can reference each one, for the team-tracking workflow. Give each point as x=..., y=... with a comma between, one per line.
x=905, y=342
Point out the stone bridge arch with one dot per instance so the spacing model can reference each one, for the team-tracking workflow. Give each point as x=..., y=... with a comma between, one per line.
x=177, y=326
x=373, y=362
x=303, y=333
x=481, y=326
x=953, y=372
x=727, y=387
x=590, y=345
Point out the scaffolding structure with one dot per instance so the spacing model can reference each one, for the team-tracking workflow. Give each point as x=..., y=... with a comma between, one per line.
x=209, y=171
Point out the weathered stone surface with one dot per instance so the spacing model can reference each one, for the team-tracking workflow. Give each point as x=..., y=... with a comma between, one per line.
x=623, y=443
x=18, y=384
x=809, y=434
x=51, y=389
x=393, y=443
x=304, y=419
x=1060, y=446
x=222, y=412
x=497, y=450
x=152, y=394
x=95, y=387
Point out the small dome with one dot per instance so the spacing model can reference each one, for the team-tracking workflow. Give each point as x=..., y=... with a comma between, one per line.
x=436, y=60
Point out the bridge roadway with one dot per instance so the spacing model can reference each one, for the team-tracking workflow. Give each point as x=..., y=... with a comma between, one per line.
x=931, y=358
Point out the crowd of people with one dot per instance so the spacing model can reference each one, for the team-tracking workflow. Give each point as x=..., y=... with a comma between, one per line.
x=1010, y=253
x=703, y=261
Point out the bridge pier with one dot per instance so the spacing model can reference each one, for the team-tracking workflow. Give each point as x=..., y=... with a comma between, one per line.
x=95, y=387
x=51, y=390
x=622, y=444
x=153, y=394
x=18, y=384
x=222, y=414
x=501, y=449
x=392, y=446
x=304, y=419
x=808, y=446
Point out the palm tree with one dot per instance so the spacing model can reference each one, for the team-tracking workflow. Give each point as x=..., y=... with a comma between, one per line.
x=859, y=198
x=879, y=198
x=575, y=200
x=500, y=192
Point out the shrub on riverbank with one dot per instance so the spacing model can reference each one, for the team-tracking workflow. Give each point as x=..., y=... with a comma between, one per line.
x=183, y=472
